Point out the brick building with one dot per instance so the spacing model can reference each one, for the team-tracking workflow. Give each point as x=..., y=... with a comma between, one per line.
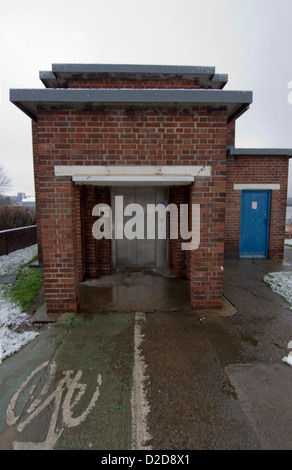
x=152, y=134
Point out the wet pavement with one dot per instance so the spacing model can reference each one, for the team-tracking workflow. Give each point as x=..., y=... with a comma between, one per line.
x=134, y=291
x=137, y=368
x=71, y=387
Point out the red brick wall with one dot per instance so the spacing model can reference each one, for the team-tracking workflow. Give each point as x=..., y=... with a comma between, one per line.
x=177, y=258
x=206, y=273
x=261, y=170
x=35, y=137
x=57, y=201
x=80, y=232
x=135, y=136
x=231, y=133
x=96, y=253
x=89, y=202
x=103, y=246
x=134, y=83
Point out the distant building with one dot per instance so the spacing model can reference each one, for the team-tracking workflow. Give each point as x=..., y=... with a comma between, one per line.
x=20, y=196
x=28, y=201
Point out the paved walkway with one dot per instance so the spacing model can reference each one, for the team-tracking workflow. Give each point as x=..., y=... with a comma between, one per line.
x=159, y=379
x=71, y=387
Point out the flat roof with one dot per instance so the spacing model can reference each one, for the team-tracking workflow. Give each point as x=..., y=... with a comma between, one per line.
x=62, y=73
x=136, y=69
x=273, y=152
x=28, y=100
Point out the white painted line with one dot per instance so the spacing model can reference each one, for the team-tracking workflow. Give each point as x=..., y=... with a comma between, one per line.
x=139, y=403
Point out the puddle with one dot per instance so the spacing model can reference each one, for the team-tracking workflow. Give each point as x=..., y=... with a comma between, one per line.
x=134, y=291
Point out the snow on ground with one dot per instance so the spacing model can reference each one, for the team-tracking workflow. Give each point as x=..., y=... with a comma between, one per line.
x=281, y=283
x=288, y=242
x=10, y=263
x=288, y=359
x=11, y=315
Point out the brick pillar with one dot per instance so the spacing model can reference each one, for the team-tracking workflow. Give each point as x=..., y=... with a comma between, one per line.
x=59, y=241
x=206, y=263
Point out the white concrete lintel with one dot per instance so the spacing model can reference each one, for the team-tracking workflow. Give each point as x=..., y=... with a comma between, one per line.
x=133, y=180
x=132, y=170
x=254, y=186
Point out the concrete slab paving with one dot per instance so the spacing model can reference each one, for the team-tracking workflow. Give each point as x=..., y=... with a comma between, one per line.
x=264, y=394
x=193, y=404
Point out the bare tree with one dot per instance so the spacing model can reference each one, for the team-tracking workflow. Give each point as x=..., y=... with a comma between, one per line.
x=5, y=181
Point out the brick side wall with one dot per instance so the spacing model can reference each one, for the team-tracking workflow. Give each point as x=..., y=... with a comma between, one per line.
x=177, y=257
x=17, y=239
x=35, y=153
x=103, y=246
x=90, y=200
x=79, y=232
x=256, y=170
x=96, y=253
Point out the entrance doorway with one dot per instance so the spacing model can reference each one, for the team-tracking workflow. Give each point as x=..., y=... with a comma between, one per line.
x=254, y=224
x=139, y=253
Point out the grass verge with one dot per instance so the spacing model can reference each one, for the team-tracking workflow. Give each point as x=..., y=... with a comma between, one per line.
x=26, y=287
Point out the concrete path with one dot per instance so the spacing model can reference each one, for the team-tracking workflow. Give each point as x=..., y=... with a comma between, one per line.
x=71, y=387
x=158, y=379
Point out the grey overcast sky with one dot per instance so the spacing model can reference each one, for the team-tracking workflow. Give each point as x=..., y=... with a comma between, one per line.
x=250, y=40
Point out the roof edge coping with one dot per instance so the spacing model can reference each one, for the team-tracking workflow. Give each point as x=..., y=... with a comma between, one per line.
x=260, y=151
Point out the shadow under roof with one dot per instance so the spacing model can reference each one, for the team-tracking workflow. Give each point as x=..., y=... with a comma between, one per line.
x=30, y=100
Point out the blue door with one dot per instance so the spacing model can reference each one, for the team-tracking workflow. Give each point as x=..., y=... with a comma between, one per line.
x=254, y=224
